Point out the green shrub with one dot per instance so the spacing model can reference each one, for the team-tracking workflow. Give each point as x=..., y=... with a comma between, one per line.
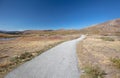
x=107, y=39
x=26, y=55
x=94, y=72
x=23, y=57
x=115, y=62
x=15, y=59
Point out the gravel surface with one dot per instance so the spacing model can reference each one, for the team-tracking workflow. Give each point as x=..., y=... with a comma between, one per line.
x=58, y=62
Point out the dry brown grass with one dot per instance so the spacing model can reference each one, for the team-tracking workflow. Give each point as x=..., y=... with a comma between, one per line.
x=95, y=51
x=22, y=49
x=107, y=28
x=6, y=35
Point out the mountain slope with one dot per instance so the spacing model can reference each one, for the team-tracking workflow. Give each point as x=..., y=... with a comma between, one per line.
x=107, y=28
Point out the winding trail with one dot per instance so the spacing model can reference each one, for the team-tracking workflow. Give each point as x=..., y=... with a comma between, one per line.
x=58, y=62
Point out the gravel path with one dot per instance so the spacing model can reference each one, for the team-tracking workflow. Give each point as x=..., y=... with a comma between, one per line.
x=58, y=62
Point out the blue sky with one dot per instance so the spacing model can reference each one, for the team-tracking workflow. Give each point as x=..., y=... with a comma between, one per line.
x=56, y=14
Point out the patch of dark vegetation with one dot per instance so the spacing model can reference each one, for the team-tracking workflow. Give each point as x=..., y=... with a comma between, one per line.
x=11, y=32
x=117, y=33
x=48, y=30
x=23, y=57
x=107, y=39
x=115, y=62
x=93, y=72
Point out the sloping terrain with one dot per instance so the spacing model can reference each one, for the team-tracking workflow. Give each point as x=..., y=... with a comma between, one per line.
x=99, y=53
x=107, y=28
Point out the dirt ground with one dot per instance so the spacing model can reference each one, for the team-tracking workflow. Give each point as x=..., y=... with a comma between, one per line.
x=97, y=52
x=33, y=45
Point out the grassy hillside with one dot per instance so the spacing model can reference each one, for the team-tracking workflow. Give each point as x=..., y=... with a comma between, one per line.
x=107, y=28
x=99, y=53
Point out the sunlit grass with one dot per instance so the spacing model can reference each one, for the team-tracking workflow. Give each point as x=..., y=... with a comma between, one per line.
x=107, y=39
x=115, y=62
x=93, y=72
